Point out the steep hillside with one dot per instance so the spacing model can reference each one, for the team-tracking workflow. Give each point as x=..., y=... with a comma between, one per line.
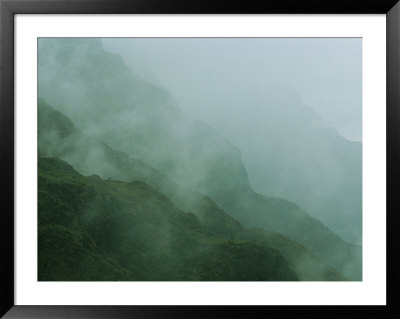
x=107, y=100
x=59, y=137
x=91, y=229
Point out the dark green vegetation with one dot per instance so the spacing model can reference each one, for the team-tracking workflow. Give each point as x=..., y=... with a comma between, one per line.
x=162, y=147
x=91, y=229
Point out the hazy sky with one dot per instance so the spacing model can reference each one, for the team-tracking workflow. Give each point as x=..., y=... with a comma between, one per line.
x=208, y=76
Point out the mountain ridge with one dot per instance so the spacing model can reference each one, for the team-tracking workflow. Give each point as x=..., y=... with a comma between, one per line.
x=150, y=127
x=136, y=172
x=136, y=234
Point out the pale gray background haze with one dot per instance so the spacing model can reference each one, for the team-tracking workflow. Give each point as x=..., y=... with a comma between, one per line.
x=208, y=77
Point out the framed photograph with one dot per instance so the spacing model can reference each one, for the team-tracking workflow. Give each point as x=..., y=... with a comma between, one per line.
x=168, y=159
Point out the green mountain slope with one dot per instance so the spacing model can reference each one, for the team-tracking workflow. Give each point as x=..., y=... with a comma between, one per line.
x=91, y=229
x=107, y=100
x=59, y=137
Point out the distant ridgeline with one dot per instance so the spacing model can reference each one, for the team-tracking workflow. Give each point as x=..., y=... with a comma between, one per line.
x=164, y=196
x=297, y=156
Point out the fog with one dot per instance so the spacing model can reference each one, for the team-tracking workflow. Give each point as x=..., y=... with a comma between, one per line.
x=210, y=77
x=208, y=120
x=292, y=106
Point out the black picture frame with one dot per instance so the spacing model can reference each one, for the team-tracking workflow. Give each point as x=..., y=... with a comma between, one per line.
x=9, y=8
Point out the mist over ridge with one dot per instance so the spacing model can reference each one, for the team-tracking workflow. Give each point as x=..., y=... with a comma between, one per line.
x=286, y=103
x=222, y=73
x=59, y=138
x=110, y=102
